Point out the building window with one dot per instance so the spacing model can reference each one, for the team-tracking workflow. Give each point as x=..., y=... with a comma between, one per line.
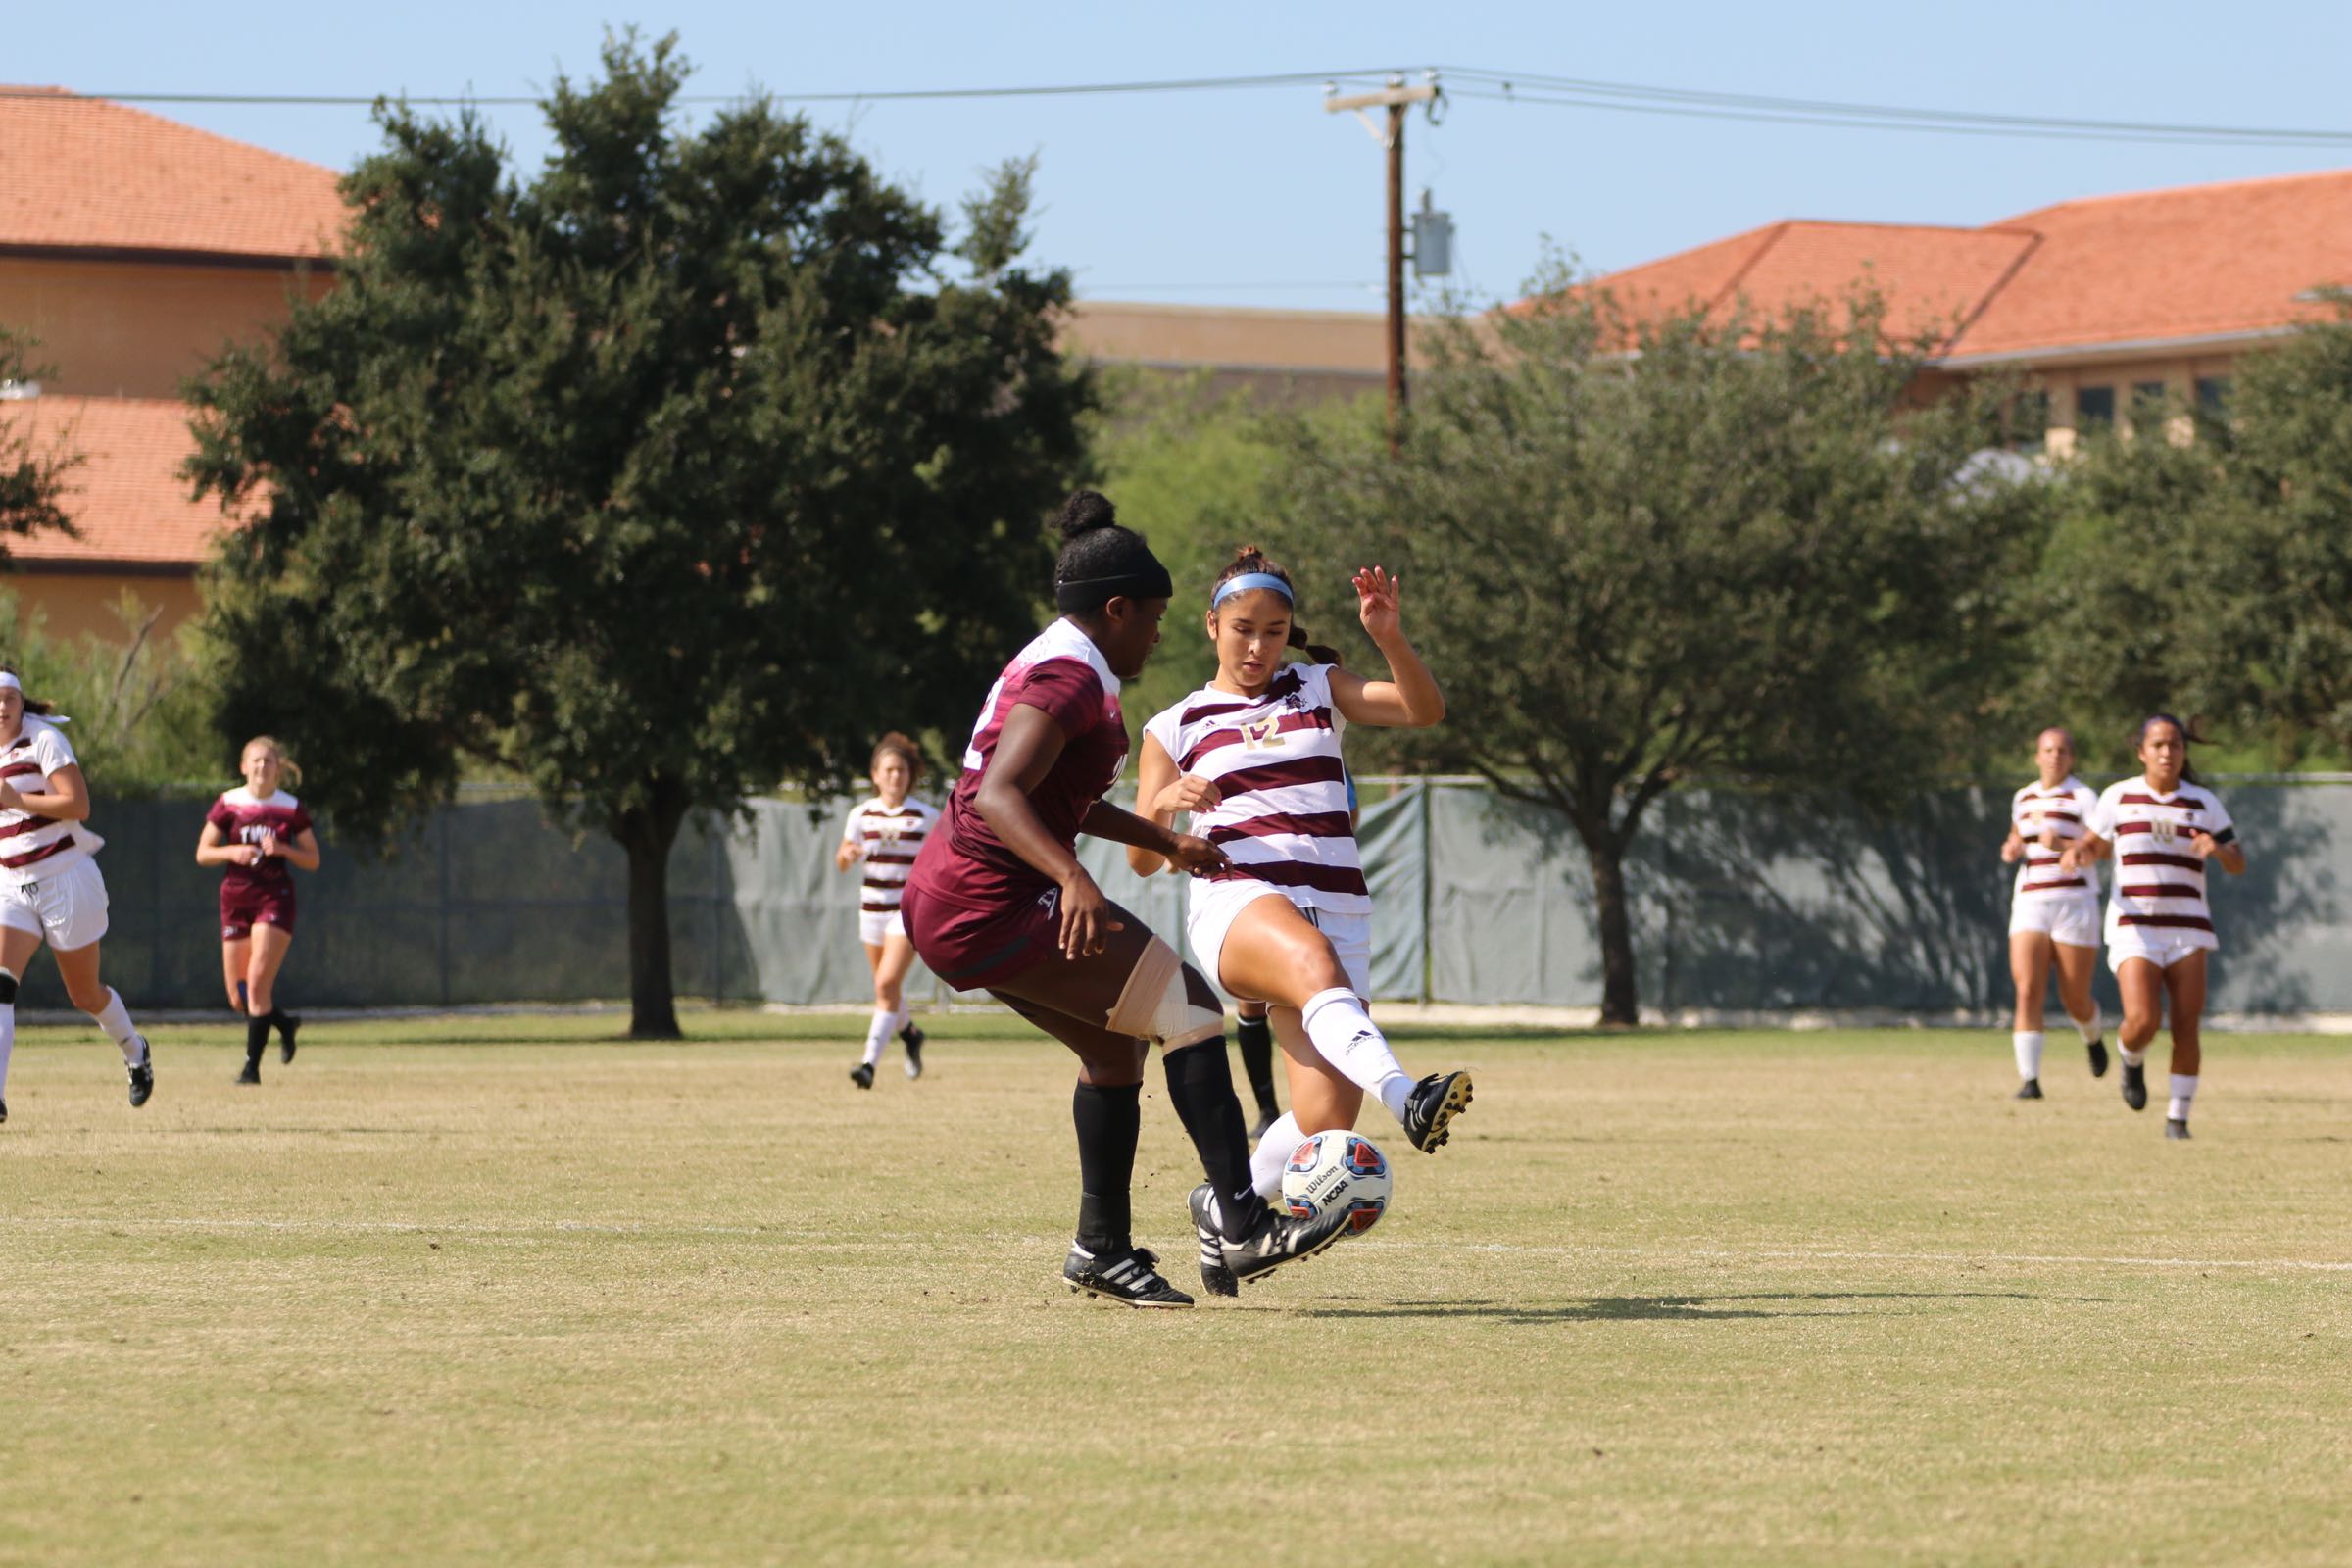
x=2028, y=422
x=2093, y=406
x=2213, y=396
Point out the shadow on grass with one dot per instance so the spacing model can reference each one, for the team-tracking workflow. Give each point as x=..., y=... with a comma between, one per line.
x=1669, y=1308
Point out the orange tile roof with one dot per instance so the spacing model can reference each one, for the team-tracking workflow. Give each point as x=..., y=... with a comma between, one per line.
x=2152, y=266
x=127, y=497
x=86, y=173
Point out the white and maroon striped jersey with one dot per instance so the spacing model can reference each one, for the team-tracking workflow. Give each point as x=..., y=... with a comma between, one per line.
x=2062, y=811
x=32, y=845
x=888, y=839
x=2159, y=884
x=1275, y=759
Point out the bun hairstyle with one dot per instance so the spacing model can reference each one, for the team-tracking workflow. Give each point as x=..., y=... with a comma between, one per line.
x=1101, y=561
x=32, y=704
x=898, y=745
x=2191, y=733
x=1248, y=559
x=287, y=768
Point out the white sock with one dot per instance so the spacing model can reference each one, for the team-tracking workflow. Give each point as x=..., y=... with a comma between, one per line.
x=2028, y=1045
x=1272, y=1153
x=2185, y=1090
x=2090, y=1028
x=877, y=1034
x=1345, y=1035
x=115, y=1019
x=2132, y=1058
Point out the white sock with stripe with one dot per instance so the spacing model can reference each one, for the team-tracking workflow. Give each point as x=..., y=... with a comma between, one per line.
x=1272, y=1153
x=115, y=1019
x=1345, y=1035
x=877, y=1035
x=2027, y=1044
x=2185, y=1090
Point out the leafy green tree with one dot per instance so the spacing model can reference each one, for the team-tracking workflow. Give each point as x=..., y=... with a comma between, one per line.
x=141, y=703
x=671, y=474
x=33, y=476
x=1638, y=552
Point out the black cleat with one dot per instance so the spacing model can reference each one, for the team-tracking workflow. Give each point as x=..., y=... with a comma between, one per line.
x=1130, y=1278
x=1281, y=1239
x=1265, y=1119
x=862, y=1075
x=1215, y=1277
x=3, y=1111
x=142, y=1077
x=1434, y=1102
x=287, y=1024
x=253, y=1071
x=2175, y=1127
x=2135, y=1086
x=2098, y=1057
x=912, y=1038
x=2030, y=1089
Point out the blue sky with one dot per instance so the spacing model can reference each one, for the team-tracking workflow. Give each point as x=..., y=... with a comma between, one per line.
x=1258, y=197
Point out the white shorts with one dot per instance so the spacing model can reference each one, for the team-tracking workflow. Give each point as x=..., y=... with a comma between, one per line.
x=67, y=908
x=2069, y=917
x=1216, y=904
x=2161, y=946
x=873, y=925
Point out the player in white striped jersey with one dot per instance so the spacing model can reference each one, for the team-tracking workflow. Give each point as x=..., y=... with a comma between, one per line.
x=2054, y=913
x=49, y=884
x=1255, y=755
x=2163, y=829
x=884, y=835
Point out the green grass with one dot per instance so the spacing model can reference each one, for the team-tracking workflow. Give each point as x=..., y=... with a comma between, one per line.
x=509, y=1291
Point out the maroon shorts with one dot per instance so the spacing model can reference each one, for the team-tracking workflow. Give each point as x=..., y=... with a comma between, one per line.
x=240, y=912
x=972, y=949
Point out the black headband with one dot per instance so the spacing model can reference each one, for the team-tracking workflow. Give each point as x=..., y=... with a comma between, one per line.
x=1078, y=594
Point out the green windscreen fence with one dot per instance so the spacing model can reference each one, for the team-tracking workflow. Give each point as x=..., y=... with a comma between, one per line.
x=1739, y=901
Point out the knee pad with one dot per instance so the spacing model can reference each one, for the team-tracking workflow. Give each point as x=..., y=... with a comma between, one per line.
x=8, y=989
x=1157, y=1002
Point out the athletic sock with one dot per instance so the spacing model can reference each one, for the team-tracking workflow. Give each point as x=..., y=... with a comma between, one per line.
x=1273, y=1153
x=2090, y=1028
x=2132, y=1058
x=244, y=1001
x=1255, y=1037
x=2185, y=1090
x=1345, y=1035
x=2028, y=1045
x=1110, y=1118
x=115, y=1019
x=878, y=1031
x=8, y=1032
x=257, y=1038
x=1200, y=1087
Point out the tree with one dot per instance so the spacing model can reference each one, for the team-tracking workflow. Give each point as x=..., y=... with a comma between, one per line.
x=1638, y=552
x=141, y=703
x=672, y=475
x=33, y=476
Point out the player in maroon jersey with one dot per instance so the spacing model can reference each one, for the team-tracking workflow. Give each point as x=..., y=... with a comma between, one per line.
x=254, y=833
x=997, y=901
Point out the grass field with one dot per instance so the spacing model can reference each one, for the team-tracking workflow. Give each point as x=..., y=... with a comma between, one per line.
x=509, y=1291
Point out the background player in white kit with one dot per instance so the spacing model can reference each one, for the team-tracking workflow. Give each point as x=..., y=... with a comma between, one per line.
x=883, y=834
x=49, y=886
x=1255, y=755
x=2054, y=913
x=2163, y=828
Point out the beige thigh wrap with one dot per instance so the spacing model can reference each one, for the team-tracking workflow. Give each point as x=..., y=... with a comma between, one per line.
x=1157, y=1003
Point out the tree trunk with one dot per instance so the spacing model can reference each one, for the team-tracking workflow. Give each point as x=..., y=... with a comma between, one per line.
x=647, y=834
x=1619, y=1004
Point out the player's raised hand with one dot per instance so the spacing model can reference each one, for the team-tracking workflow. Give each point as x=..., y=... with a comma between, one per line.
x=2204, y=846
x=1191, y=793
x=1378, y=602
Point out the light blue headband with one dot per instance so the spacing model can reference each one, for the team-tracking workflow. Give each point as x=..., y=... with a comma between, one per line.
x=1248, y=581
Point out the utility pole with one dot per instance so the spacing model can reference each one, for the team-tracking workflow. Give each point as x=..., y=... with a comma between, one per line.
x=1396, y=98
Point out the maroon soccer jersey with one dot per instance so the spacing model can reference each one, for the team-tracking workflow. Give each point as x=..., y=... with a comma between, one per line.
x=1062, y=672
x=242, y=819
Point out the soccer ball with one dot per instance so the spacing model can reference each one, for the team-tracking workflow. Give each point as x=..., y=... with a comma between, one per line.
x=1337, y=1169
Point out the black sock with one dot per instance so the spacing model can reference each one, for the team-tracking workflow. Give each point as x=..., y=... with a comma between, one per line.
x=257, y=1036
x=277, y=1018
x=1255, y=1037
x=1200, y=1086
x=1110, y=1118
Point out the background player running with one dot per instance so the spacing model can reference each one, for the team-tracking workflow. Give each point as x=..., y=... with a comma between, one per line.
x=50, y=887
x=2163, y=828
x=998, y=901
x=884, y=835
x=2054, y=912
x=1255, y=755
x=255, y=832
